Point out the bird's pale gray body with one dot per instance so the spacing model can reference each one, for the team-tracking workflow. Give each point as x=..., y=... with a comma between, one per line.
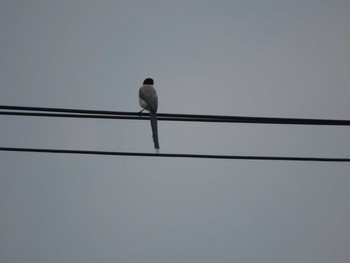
x=148, y=100
x=148, y=97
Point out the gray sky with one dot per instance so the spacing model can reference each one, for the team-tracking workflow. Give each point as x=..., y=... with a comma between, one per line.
x=250, y=58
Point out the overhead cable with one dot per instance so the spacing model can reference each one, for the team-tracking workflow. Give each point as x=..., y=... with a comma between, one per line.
x=101, y=114
x=176, y=155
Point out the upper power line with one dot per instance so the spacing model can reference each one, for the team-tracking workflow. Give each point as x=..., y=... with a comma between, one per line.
x=101, y=114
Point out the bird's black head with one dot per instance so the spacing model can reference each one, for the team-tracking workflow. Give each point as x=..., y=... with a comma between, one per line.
x=148, y=81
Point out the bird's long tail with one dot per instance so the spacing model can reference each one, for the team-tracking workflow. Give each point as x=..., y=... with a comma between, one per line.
x=153, y=117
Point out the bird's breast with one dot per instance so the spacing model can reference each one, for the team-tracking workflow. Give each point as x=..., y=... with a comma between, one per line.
x=143, y=104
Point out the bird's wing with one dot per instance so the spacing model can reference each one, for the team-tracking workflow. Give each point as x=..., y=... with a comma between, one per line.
x=148, y=94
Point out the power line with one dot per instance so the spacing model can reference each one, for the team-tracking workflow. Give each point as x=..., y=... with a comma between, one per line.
x=63, y=110
x=176, y=155
x=100, y=114
x=71, y=115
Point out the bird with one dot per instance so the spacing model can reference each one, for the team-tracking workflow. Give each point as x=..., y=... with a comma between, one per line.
x=148, y=100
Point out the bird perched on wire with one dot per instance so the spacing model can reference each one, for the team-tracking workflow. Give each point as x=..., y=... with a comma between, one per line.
x=149, y=101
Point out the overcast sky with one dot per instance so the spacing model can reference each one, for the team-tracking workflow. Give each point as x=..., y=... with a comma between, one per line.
x=249, y=58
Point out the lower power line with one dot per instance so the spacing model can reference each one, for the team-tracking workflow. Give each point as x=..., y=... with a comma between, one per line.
x=176, y=155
